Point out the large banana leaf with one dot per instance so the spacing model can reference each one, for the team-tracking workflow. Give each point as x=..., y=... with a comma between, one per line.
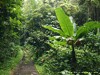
x=86, y=28
x=55, y=30
x=65, y=23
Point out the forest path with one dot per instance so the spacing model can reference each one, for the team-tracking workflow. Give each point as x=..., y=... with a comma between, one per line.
x=25, y=69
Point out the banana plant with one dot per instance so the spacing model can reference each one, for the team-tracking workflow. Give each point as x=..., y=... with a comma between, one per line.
x=67, y=31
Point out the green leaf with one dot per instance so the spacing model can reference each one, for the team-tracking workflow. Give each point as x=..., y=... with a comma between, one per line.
x=55, y=43
x=65, y=23
x=86, y=28
x=55, y=30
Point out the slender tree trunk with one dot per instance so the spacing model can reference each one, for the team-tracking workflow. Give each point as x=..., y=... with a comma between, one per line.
x=73, y=61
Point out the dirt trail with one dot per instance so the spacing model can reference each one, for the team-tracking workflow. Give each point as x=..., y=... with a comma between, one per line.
x=26, y=69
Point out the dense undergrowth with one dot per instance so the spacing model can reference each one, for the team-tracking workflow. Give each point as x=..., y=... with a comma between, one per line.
x=8, y=66
x=10, y=31
x=58, y=62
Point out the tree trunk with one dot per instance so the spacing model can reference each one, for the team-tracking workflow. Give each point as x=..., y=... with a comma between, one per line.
x=73, y=60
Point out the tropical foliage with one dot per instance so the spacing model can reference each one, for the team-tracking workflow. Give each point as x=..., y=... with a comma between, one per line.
x=60, y=36
x=68, y=32
x=10, y=28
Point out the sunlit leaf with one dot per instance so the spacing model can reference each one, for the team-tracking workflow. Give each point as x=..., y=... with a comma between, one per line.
x=65, y=23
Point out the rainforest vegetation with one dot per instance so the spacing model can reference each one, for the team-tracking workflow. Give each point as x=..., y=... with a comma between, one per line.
x=61, y=37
